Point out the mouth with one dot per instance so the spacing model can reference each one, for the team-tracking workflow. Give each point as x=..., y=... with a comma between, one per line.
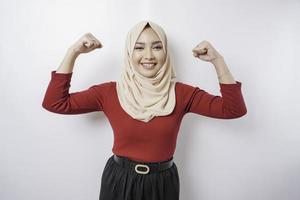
x=148, y=65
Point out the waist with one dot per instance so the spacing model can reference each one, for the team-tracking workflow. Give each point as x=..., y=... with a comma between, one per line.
x=143, y=167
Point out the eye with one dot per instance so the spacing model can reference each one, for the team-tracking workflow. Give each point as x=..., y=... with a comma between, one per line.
x=138, y=47
x=158, y=47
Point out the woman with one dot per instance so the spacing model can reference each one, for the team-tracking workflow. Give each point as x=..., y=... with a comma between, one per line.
x=145, y=108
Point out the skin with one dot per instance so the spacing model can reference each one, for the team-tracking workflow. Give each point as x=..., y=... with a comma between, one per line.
x=148, y=52
x=148, y=49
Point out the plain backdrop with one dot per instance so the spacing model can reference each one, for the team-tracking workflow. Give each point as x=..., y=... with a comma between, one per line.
x=49, y=156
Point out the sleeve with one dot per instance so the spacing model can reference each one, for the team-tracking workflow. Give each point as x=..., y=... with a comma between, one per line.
x=228, y=106
x=57, y=98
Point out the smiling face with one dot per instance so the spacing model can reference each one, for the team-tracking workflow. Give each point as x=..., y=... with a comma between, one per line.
x=148, y=55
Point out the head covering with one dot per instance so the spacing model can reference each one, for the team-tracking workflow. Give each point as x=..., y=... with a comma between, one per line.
x=142, y=97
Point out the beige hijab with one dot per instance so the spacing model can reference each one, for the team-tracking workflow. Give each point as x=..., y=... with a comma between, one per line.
x=142, y=97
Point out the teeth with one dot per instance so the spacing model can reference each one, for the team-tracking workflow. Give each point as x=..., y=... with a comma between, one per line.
x=148, y=65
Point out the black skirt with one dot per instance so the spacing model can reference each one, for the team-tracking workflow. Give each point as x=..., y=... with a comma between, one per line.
x=122, y=183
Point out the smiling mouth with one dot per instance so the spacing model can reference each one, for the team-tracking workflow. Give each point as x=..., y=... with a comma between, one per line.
x=148, y=65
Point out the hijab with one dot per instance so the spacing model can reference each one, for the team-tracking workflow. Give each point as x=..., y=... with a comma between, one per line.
x=142, y=97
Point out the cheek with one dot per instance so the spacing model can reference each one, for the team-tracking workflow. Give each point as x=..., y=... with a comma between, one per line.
x=136, y=58
x=161, y=57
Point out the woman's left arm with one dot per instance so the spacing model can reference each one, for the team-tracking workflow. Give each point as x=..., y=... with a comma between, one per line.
x=223, y=72
x=205, y=51
x=231, y=104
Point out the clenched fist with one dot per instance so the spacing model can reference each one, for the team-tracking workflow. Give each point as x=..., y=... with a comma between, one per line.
x=85, y=44
x=205, y=51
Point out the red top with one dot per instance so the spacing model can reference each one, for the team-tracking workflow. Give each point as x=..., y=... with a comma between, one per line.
x=155, y=140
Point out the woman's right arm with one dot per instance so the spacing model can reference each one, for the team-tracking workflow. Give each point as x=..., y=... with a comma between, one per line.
x=85, y=44
x=67, y=63
x=57, y=98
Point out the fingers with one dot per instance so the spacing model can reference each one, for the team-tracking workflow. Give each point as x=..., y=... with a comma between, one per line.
x=205, y=51
x=197, y=52
x=201, y=48
x=96, y=42
x=91, y=42
x=88, y=44
x=200, y=51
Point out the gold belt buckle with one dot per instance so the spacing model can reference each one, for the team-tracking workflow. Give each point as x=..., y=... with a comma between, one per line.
x=142, y=172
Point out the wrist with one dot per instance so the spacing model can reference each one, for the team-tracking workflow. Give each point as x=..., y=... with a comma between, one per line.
x=218, y=60
x=72, y=53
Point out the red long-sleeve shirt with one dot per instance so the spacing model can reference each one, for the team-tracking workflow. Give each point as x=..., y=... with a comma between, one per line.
x=154, y=141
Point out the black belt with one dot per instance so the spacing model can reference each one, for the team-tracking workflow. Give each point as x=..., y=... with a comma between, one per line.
x=143, y=167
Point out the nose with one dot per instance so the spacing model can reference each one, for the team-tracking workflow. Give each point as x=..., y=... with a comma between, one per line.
x=148, y=54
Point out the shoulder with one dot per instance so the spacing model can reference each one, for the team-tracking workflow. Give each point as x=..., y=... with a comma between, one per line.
x=103, y=87
x=180, y=84
x=185, y=88
x=105, y=84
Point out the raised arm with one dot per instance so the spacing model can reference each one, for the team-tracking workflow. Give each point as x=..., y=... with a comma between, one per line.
x=57, y=98
x=230, y=104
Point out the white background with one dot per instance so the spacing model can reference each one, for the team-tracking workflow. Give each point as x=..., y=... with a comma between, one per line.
x=50, y=156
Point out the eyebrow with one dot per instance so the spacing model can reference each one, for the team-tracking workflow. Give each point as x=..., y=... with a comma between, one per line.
x=155, y=42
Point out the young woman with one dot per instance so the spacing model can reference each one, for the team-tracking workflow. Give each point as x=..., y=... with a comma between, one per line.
x=145, y=108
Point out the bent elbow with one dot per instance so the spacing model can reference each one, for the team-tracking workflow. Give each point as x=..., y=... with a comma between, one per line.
x=59, y=108
x=244, y=112
x=240, y=113
x=47, y=107
x=233, y=114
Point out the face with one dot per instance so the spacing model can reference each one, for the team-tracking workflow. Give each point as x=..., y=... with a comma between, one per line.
x=148, y=54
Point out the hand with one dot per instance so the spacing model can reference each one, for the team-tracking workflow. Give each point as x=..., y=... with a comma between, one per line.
x=86, y=44
x=205, y=51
